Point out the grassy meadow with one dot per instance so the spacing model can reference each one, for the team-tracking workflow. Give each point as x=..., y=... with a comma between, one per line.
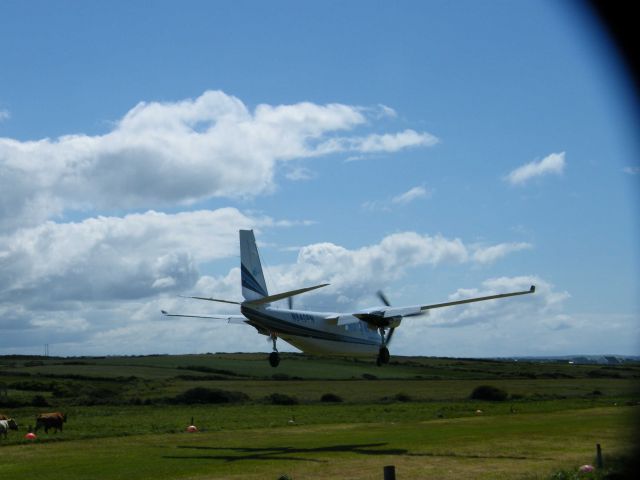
x=311, y=417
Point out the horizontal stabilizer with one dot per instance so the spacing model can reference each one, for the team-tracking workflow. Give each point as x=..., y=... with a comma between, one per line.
x=209, y=299
x=229, y=318
x=280, y=296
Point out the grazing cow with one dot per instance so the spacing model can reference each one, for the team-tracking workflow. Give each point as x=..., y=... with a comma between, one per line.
x=6, y=425
x=50, y=420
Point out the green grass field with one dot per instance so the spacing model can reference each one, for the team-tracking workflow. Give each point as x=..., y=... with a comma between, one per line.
x=415, y=414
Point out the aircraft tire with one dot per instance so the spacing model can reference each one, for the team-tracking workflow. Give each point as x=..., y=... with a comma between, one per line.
x=274, y=359
x=384, y=355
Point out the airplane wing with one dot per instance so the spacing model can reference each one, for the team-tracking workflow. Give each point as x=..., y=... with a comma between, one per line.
x=229, y=318
x=477, y=299
x=391, y=316
x=263, y=300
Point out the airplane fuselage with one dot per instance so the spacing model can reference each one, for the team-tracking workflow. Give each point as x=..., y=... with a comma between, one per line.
x=314, y=332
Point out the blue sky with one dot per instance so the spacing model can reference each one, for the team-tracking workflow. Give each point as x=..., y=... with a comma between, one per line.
x=432, y=149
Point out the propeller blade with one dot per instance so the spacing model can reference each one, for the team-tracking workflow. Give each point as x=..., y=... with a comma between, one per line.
x=383, y=298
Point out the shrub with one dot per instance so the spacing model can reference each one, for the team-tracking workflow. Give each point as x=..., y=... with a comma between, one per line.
x=331, y=397
x=95, y=395
x=489, y=392
x=398, y=397
x=205, y=369
x=603, y=374
x=200, y=378
x=208, y=395
x=39, y=401
x=61, y=390
x=281, y=399
x=8, y=402
x=402, y=397
x=34, y=363
x=31, y=385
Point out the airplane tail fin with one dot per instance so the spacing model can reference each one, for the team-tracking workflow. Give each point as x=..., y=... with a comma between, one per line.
x=253, y=285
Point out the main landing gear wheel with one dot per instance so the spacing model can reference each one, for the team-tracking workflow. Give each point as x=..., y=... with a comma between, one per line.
x=274, y=359
x=383, y=356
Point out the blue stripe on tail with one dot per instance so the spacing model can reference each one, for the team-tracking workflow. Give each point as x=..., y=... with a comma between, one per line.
x=253, y=285
x=250, y=282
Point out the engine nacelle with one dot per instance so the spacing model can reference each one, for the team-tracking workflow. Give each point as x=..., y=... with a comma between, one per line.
x=394, y=322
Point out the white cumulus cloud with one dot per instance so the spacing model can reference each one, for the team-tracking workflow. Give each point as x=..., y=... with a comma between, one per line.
x=494, y=252
x=410, y=195
x=177, y=153
x=551, y=164
x=300, y=174
x=377, y=143
x=112, y=258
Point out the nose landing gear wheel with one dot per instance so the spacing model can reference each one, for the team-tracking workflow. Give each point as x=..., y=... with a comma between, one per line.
x=274, y=359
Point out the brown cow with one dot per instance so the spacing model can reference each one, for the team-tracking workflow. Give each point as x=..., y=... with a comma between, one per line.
x=3, y=417
x=50, y=420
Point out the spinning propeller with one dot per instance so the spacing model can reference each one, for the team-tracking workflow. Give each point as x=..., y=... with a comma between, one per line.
x=383, y=298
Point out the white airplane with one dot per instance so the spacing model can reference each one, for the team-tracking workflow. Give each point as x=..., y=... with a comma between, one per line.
x=362, y=333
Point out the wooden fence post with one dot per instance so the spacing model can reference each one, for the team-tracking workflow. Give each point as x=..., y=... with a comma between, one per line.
x=599, y=463
x=390, y=472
